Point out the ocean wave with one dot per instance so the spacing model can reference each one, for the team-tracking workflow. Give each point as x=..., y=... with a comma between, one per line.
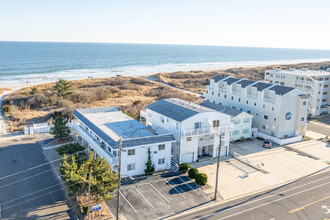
x=138, y=70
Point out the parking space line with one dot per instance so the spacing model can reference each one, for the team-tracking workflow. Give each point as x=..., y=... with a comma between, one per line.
x=159, y=192
x=128, y=202
x=189, y=185
x=144, y=197
x=175, y=188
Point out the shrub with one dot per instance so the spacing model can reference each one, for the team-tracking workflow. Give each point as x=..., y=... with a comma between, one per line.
x=34, y=91
x=201, y=178
x=69, y=148
x=6, y=108
x=193, y=172
x=85, y=209
x=184, y=167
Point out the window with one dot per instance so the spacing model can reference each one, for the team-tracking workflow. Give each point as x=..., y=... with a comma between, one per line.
x=273, y=108
x=274, y=119
x=255, y=104
x=266, y=117
x=131, y=152
x=246, y=120
x=257, y=114
x=115, y=153
x=161, y=161
x=216, y=123
x=131, y=166
x=302, y=118
x=225, y=96
x=198, y=125
x=246, y=131
x=162, y=119
x=241, y=109
x=168, y=120
x=161, y=147
x=109, y=149
x=247, y=102
x=235, y=132
x=177, y=125
x=207, y=91
x=263, y=105
x=236, y=122
x=263, y=127
x=188, y=138
x=219, y=94
x=232, y=98
x=239, y=99
x=212, y=93
x=282, y=83
x=249, y=112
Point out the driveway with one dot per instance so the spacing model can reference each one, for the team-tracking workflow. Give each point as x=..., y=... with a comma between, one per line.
x=322, y=127
x=159, y=196
x=28, y=187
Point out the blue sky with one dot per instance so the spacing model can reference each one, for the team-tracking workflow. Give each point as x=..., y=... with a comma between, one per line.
x=262, y=23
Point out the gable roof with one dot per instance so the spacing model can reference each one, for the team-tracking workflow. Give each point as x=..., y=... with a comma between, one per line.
x=281, y=90
x=244, y=83
x=261, y=86
x=220, y=108
x=219, y=78
x=174, y=110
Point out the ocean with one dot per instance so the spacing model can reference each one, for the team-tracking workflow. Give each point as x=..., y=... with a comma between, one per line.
x=34, y=62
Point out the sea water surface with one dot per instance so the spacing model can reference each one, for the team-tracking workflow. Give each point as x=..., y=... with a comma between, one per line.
x=22, y=62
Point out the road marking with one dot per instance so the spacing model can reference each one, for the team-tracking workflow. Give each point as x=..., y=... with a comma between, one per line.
x=266, y=197
x=327, y=208
x=309, y=204
x=189, y=185
x=159, y=193
x=175, y=188
x=144, y=197
x=128, y=202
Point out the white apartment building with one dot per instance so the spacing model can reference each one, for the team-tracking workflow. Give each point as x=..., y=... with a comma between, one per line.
x=241, y=121
x=195, y=128
x=279, y=111
x=100, y=130
x=314, y=83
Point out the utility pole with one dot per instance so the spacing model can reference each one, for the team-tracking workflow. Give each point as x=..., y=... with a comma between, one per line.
x=89, y=195
x=217, y=176
x=118, y=190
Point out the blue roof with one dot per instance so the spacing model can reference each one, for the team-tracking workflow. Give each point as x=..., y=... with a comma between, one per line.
x=172, y=110
x=140, y=135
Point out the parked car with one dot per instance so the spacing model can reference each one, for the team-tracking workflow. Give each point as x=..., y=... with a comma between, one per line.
x=267, y=144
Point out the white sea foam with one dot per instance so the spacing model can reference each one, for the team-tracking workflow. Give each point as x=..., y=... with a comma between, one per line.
x=28, y=79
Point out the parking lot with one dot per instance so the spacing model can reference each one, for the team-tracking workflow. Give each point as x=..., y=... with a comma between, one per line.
x=161, y=196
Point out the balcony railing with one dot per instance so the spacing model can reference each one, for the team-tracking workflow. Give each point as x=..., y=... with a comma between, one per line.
x=269, y=100
x=251, y=96
x=207, y=130
x=93, y=143
x=222, y=90
x=209, y=87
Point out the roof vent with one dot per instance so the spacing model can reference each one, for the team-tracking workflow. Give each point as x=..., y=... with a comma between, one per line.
x=278, y=68
x=292, y=69
x=304, y=69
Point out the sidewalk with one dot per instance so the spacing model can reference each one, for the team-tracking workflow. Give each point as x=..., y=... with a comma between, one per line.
x=3, y=124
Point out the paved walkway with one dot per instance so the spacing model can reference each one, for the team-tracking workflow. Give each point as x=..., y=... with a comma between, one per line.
x=280, y=166
x=3, y=129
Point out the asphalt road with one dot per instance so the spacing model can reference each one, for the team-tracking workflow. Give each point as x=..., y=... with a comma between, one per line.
x=319, y=127
x=306, y=198
x=32, y=194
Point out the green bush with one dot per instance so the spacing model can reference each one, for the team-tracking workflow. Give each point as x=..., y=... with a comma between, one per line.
x=193, y=172
x=69, y=148
x=6, y=108
x=201, y=178
x=85, y=209
x=184, y=167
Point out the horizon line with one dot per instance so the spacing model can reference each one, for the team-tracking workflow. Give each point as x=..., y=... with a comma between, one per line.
x=170, y=44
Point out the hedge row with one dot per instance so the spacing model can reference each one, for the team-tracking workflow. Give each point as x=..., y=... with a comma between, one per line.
x=200, y=178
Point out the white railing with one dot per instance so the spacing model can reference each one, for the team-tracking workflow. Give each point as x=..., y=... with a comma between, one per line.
x=251, y=96
x=96, y=147
x=269, y=100
x=196, y=132
x=205, y=142
x=209, y=87
x=222, y=90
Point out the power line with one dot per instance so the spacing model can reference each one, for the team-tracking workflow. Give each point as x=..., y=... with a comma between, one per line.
x=40, y=165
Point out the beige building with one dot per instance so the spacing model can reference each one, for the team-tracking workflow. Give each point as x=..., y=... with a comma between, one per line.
x=314, y=83
x=279, y=111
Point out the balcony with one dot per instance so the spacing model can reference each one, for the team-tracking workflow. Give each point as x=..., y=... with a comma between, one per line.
x=208, y=87
x=251, y=96
x=222, y=90
x=269, y=100
x=95, y=144
x=205, y=142
x=236, y=92
x=207, y=130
